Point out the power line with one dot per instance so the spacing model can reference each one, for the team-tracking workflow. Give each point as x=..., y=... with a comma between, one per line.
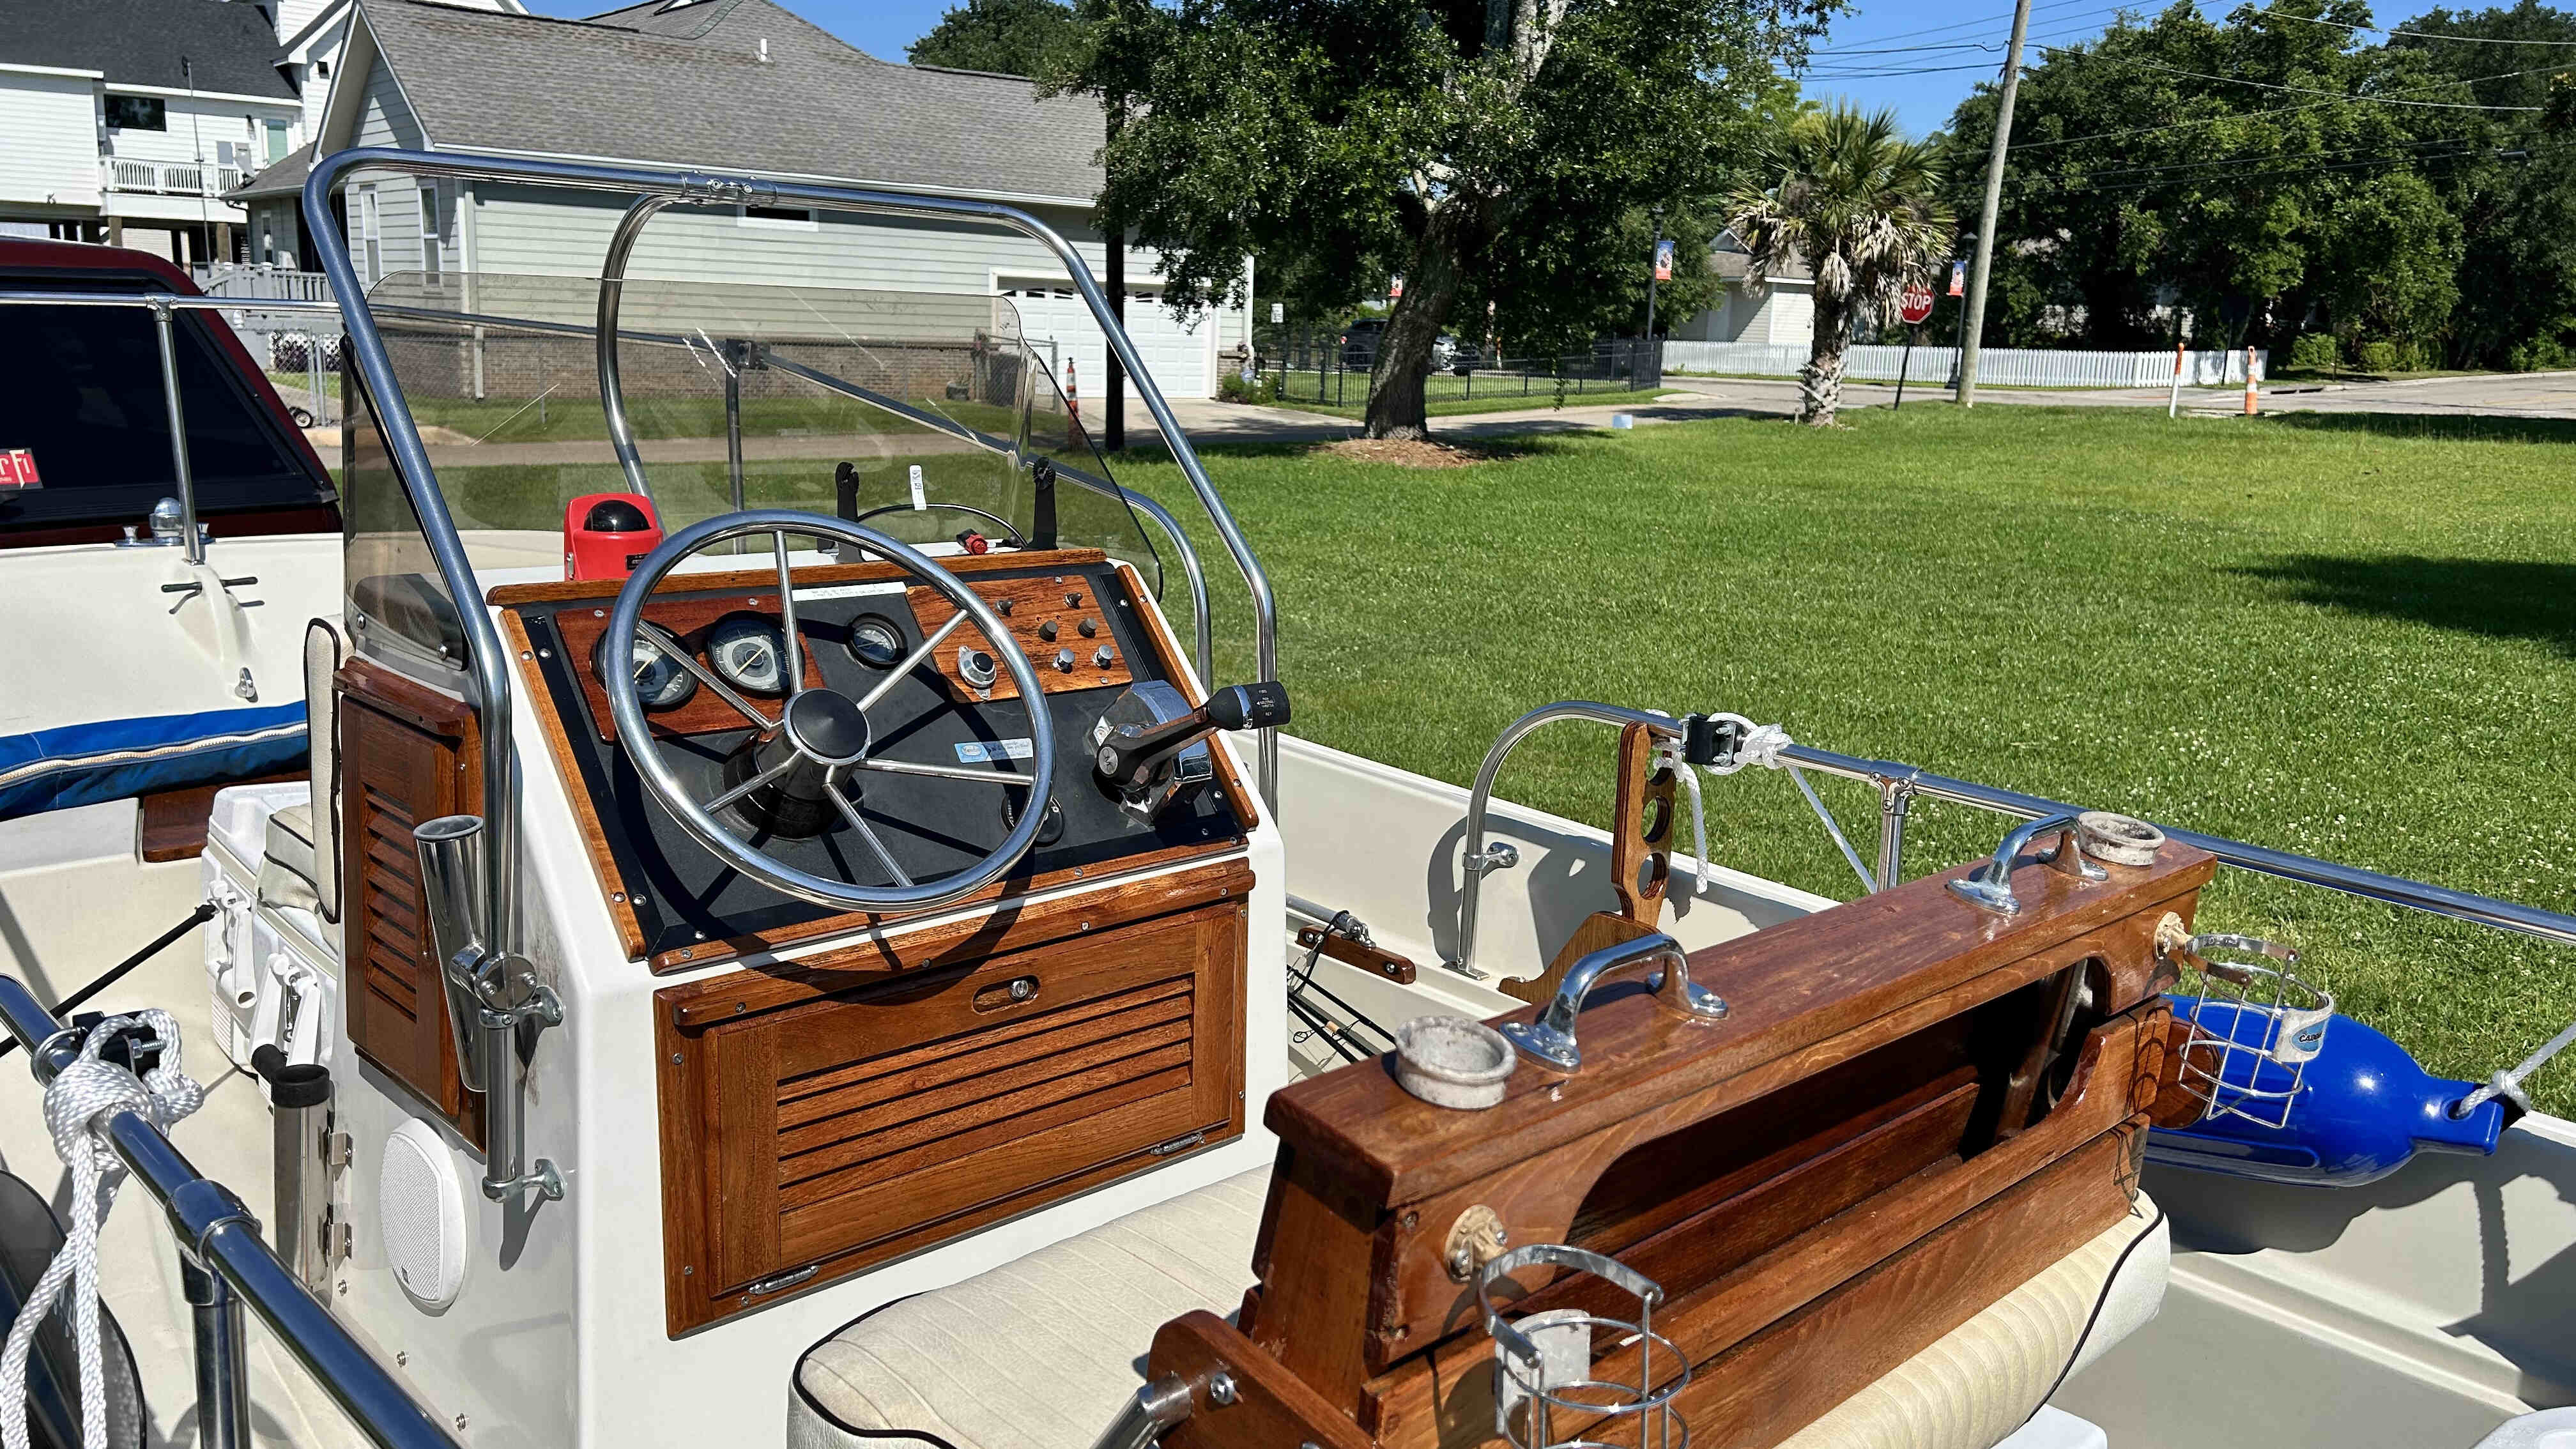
x=2306, y=90
x=1997, y=20
x=2224, y=162
x=2284, y=111
x=2294, y=173
x=2416, y=34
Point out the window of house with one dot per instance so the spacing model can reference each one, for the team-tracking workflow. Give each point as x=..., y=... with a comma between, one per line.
x=371, y=232
x=791, y=218
x=136, y=113
x=276, y=142
x=322, y=68
x=430, y=261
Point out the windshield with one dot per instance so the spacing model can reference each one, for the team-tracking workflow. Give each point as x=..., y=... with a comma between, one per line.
x=922, y=414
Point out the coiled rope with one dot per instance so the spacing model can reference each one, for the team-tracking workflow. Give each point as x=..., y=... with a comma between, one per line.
x=79, y=1103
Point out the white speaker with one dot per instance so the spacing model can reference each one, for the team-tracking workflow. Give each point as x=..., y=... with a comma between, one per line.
x=420, y=1215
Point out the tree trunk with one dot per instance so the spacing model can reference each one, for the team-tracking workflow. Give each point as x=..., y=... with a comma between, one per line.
x=1820, y=385
x=1396, y=402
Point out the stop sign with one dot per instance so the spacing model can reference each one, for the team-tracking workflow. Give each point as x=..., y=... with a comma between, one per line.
x=1915, y=305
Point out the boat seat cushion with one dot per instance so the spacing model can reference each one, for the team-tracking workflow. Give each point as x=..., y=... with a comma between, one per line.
x=1041, y=1353
x=289, y=874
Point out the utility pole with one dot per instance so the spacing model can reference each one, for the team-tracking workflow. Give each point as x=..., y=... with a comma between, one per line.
x=1974, y=322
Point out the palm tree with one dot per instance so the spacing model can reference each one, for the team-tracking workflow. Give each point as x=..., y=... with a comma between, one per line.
x=1846, y=194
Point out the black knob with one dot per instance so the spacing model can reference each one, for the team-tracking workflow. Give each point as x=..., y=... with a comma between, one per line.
x=1089, y=626
x=1249, y=706
x=1046, y=631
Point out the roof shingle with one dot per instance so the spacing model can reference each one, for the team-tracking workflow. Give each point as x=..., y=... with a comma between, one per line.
x=224, y=47
x=685, y=85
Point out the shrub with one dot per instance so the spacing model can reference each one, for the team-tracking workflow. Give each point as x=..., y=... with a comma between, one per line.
x=1232, y=388
x=2315, y=352
x=2540, y=354
x=2379, y=357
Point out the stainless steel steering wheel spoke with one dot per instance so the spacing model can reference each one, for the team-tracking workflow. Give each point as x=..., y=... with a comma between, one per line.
x=793, y=680
x=911, y=661
x=680, y=655
x=773, y=773
x=944, y=772
x=850, y=813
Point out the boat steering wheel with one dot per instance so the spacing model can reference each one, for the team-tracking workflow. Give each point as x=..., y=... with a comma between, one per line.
x=821, y=737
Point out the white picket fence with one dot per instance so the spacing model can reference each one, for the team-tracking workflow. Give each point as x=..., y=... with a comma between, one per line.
x=1996, y=366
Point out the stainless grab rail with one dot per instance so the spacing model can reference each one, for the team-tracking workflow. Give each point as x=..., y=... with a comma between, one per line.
x=225, y=1264
x=1482, y=858
x=412, y=462
x=1891, y=778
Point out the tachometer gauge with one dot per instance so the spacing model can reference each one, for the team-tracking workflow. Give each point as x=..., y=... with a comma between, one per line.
x=876, y=642
x=749, y=653
x=660, y=682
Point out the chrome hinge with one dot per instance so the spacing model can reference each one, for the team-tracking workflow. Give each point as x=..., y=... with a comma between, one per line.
x=779, y=1281
x=1178, y=1144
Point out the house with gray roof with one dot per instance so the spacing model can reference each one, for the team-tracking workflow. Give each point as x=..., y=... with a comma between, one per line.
x=736, y=86
x=128, y=120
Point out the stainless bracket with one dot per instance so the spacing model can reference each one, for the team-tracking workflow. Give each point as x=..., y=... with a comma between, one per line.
x=1497, y=855
x=1551, y=1039
x=1989, y=886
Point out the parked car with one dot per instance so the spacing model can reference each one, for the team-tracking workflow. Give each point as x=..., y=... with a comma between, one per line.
x=1448, y=354
x=1361, y=340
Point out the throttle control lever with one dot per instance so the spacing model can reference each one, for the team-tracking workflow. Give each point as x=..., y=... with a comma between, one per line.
x=1141, y=746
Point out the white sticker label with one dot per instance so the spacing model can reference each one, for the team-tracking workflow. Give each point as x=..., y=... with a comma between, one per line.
x=980, y=752
x=918, y=501
x=850, y=591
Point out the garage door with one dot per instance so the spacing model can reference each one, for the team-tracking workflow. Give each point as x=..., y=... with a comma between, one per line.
x=1176, y=356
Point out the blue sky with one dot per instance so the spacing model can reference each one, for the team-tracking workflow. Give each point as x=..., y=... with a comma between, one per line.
x=1920, y=56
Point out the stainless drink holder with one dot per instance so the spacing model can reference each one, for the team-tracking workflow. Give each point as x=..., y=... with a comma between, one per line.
x=1543, y=1362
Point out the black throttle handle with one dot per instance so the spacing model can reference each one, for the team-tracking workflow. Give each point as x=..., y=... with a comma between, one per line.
x=1249, y=706
x=1128, y=756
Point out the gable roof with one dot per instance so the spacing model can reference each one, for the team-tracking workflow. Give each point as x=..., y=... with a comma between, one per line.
x=227, y=47
x=280, y=178
x=684, y=85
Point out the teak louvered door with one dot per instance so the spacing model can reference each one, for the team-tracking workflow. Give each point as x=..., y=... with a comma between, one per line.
x=406, y=755
x=805, y=1142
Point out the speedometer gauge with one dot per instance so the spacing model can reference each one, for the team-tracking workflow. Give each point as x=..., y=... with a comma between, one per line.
x=749, y=653
x=660, y=682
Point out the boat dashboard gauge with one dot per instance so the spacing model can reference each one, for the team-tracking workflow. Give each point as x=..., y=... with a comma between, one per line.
x=876, y=641
x=660, y=682
x=749, y=653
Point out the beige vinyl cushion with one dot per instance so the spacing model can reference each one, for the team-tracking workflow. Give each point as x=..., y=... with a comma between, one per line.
x=1041, y=1353
x=1980, y=1382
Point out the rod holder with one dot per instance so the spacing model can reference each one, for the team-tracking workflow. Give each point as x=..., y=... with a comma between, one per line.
x=452, y=890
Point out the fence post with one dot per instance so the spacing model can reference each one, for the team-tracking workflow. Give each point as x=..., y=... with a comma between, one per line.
x=2173, y=403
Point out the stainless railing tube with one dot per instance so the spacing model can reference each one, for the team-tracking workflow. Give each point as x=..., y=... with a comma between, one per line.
x=217, y=1234
x=2262, y=860
x=190, y=537
x=1478, y=856
x=223, y=1360
x=701, y=186
x=486, y=657
x=1153, y=1408
x=612, y=293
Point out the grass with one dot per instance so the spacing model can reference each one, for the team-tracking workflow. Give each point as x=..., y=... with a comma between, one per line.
x=1542, y=395
x=2345, y=636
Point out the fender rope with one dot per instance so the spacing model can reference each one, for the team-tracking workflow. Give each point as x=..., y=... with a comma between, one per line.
x=79, y=1103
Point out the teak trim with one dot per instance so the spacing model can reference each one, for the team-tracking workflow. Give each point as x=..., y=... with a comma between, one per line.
x=612, y=882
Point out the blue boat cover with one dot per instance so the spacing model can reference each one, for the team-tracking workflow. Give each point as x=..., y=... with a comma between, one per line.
x=82, y=764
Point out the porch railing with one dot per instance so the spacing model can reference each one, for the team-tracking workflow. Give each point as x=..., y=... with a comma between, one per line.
x=168, y=178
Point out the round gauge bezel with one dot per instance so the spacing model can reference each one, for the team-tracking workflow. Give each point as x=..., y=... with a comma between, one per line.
x=687, y=684
x=894, y=631
x=726, y=629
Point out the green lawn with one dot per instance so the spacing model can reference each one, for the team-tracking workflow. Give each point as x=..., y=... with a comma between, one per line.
x=2346, y=636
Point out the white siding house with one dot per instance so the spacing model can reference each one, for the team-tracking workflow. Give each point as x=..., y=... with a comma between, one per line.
x=128, y=120
x=738, y=86
x=1779, y=314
